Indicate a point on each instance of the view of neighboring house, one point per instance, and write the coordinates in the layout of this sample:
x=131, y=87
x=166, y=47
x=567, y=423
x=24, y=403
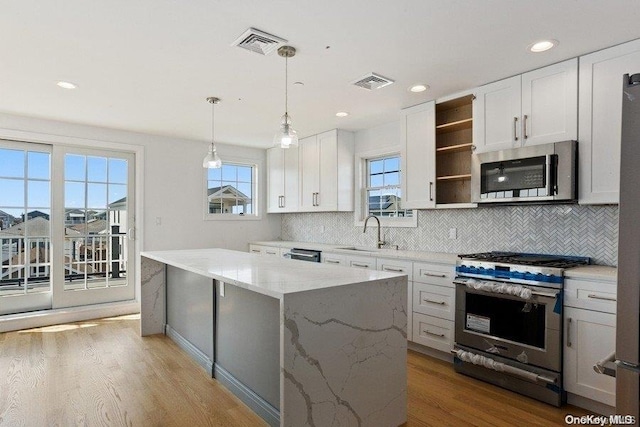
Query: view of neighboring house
x=227, y=199
x=6, y=220
x=387, y=205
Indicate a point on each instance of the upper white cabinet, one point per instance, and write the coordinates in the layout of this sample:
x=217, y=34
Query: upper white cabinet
x=326, y=172
x=418, y=142
x=600, y=120
x=282, y=177
x=537, y=107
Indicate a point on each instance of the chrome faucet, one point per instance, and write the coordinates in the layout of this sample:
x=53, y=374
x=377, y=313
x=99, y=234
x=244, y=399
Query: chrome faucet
x=380, y=242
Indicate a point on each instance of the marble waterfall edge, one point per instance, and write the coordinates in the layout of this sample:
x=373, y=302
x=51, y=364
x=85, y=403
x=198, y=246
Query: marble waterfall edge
x=343, y=357
x=152, y=285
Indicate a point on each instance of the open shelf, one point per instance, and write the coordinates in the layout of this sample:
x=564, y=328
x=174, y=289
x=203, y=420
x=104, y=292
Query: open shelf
x=455, y=148
x=453, y=177
x=454, y=126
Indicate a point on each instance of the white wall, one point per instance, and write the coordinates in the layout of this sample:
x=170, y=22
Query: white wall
x=386, y=136
x=173, y=184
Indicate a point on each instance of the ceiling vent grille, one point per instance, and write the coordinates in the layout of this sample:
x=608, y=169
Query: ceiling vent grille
x=373, y=81
x=258, y=41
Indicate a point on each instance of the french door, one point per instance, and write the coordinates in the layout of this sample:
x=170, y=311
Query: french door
x=72, y=214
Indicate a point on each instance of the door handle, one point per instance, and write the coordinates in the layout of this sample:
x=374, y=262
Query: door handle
x=424, y=273
x=434, y=302
x=355, y=264
x=431, y=191
x=131, y=234
x=515, y=128
x=594, y=296
x=395, y=270
x=428, y=332
x=569, y=332
x=331, y=261
x=524, y=126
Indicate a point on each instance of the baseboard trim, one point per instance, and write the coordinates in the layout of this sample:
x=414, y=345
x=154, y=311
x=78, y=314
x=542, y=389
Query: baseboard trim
x=193, y=351
x=256, y=403
x=447, y=357
x=38, y=319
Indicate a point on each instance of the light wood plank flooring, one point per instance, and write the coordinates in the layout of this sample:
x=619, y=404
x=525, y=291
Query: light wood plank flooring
x=102, y=372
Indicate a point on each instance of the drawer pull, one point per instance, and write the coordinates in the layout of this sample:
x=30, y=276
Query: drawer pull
x=428, y=332
x=434, y=302
x=594, y=296
x=395, y=270
x=426, y=273
x=271, y=253
x=255, y=251
x=332, y=261
x=355, y=264
x=569, y=344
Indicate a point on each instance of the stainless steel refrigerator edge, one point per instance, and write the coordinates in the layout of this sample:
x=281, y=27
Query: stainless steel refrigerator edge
x=628, y=305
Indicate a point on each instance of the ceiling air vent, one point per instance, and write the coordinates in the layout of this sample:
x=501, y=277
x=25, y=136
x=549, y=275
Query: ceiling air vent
x=258, y=41
x=373, y=81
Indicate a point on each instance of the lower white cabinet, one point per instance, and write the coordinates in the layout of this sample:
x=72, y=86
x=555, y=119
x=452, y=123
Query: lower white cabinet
x=433, y=332
x=329, y=258
x=589, y=337
x=360, y=262
x=433, y=300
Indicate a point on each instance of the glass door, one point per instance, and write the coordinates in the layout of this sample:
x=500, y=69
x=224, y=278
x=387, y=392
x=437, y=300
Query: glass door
x=25, y=232
x=95, y=218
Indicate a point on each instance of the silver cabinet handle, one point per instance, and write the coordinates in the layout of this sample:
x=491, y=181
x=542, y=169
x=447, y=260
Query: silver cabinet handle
x=317, y=199
x=434, y=302
x=332, y=261
x=515, y=128
x=425, y=273
x=431, y=191
x=283, y=202
x=428, y=332
x=569, y=332
x=395, y=270
x=271, y=253
x=355, y=264
x=594, y=296
x=255, y=251
x=524, y=126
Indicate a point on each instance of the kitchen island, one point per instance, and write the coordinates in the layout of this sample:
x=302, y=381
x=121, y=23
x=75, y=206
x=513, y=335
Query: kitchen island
x=301, y=343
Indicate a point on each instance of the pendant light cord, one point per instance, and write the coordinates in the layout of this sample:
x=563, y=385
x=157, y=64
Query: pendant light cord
x=286, y=86
x=213, y=144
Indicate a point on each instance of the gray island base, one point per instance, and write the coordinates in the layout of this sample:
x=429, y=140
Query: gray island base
x=302, y=344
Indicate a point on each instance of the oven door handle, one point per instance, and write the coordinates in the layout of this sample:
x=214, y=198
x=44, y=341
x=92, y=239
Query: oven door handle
x=490, y=292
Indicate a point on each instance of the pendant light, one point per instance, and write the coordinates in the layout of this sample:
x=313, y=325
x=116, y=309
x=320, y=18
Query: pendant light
x=286, y=136
x=212, y=160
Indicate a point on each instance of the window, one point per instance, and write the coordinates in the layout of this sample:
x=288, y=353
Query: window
x=383, y=193
x=231, y=191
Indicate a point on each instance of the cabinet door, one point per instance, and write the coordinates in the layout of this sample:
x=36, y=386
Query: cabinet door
x=291, y=178
x=326, y=197
x=309, y=173
x=496, y=115
x=550, y=104
x=275, y=179
x=590, y=337
x=418, y=139
x=600, y=120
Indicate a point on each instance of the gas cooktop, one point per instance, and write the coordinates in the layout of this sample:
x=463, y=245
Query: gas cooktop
x=537, y=260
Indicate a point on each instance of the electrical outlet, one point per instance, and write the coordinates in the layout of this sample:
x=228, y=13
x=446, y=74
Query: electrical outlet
x=453, y=233
x=158, y=220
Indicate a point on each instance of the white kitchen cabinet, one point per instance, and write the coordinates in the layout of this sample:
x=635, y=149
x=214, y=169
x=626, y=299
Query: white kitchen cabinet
x=365, y=262
x=600, y=120
x=433, y=300
x=394, y=265
x=537, y=107
x=326, y=172
x=418, y=161
x=433, y=332
x=590, y=332
x=590, y=336
x=282, y=177
x=329, y=258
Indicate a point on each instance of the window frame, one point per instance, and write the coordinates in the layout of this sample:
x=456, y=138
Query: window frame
x=361, y=206
x=255, y=173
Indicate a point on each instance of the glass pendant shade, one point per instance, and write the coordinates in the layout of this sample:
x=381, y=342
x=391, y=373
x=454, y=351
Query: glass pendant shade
x=286, y=136
x=212, y=160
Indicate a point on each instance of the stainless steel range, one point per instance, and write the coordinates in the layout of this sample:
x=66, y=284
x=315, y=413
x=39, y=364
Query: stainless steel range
x=509, y=321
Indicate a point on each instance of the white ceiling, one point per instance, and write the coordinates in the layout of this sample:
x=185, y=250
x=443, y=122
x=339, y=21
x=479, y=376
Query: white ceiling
x=148, y=65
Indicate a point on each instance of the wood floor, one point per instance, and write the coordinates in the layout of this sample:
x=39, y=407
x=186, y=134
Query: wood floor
x=102, y=373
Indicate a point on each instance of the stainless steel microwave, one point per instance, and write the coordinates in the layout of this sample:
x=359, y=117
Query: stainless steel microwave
x=542, y=173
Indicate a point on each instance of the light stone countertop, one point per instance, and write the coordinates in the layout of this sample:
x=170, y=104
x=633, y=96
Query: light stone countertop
x=271, y=276
x=437, y=257
x=594, y=272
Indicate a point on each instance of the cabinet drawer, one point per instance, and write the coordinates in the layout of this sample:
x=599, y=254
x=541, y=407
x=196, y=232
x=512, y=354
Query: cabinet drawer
x=361, y=262
x=270, y=251
x=256, y=249
x=395, y=266
x=333, y=259
x=596, y=296
x=433, y=332
x=435, y=274
x=433, y=300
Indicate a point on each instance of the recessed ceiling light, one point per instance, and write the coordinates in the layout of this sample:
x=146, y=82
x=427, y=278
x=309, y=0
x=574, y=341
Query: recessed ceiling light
x=542, y=45
x=418, y=88
x=342, y=114
x=67, y=85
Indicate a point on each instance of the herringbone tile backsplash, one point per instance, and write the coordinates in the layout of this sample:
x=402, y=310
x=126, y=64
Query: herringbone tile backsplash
x=551, y=229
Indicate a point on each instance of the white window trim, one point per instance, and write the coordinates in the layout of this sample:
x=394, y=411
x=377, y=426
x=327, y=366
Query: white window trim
x=361, y=180
x=257, y=209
